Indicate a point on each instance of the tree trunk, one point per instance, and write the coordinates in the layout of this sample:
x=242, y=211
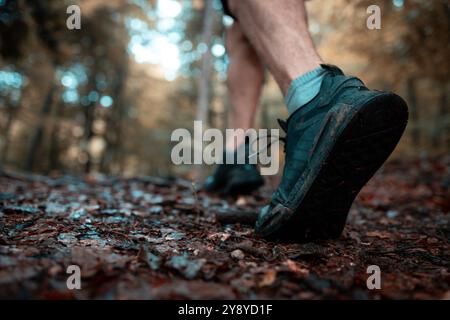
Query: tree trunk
x=203, y=97
x=88, y=133
x=89, y=117
x=204, y=89
x=113, y=134
x=39, y=132
x=12, y=110
x=54, y=150
x=443, y=117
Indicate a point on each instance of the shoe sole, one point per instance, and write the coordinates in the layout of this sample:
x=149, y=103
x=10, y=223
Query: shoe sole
x=355, y=144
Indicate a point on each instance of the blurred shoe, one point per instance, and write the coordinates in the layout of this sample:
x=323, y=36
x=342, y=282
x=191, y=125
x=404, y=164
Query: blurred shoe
x=334, y=145
x=234, y=179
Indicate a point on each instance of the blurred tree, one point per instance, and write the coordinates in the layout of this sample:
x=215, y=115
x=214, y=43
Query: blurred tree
x=100, y=46
x=107, y=97
x=412, y=46
x=203, y=99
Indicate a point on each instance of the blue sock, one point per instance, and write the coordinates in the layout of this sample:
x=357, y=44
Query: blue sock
x=303, y=89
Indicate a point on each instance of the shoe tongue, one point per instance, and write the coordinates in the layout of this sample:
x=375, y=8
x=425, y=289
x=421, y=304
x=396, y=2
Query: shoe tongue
x=333, y=69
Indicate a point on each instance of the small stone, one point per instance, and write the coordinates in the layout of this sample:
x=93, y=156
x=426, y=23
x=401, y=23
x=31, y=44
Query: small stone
x=55, y=209
x=77, y=214
x=189, y=268
x=241, y=201
x=391, y=214
x=237, y=254
x=67, y=238
x=156, y=210
x=175, y=236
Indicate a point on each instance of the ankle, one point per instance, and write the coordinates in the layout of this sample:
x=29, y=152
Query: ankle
x=293, y=72
x=234, y=144
x=304, y=89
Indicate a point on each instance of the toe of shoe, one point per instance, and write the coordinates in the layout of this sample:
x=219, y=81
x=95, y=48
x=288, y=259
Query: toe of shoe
x=271, y=218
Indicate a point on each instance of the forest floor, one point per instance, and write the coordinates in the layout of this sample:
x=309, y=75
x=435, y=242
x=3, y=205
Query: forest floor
x=155, y=238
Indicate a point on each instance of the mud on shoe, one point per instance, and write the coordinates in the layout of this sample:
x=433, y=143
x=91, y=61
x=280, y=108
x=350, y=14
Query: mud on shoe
x=334, y=145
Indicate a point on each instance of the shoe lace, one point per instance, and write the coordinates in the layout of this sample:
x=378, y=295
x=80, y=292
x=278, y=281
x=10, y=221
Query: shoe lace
x=333, y=71
x=272, y=139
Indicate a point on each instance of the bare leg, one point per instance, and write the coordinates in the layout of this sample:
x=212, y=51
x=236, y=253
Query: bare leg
x=245, y=80
x=278, y=30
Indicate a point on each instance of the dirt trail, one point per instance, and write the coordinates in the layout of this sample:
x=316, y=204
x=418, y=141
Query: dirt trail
x=151, y=238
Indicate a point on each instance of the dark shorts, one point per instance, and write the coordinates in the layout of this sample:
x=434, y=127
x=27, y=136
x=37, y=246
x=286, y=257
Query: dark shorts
x=226, y=9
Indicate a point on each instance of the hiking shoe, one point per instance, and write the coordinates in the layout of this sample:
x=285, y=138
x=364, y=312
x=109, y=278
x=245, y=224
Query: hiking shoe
x=334, y=145
x=234, y=179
